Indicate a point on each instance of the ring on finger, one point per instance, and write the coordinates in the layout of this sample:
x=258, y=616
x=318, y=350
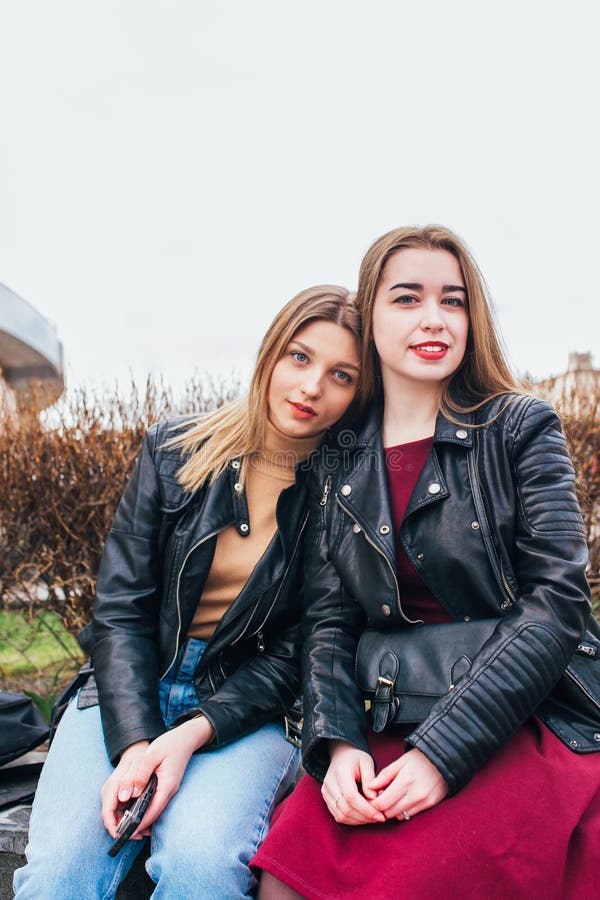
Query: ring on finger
x=406, y=816
x=337, y=799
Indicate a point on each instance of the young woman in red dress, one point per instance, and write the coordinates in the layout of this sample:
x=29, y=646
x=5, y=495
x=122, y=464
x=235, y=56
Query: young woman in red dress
x=455, y=502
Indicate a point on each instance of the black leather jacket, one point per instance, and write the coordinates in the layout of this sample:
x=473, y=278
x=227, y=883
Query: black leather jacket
x=493, y=528
x=156, y=559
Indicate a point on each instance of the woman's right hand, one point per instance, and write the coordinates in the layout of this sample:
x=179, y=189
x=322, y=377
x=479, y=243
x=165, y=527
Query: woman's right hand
x=348, y=768
x=118, y=788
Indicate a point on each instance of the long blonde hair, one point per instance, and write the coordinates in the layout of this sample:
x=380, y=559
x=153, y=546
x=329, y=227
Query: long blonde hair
x=484, y=371
x=238, y=429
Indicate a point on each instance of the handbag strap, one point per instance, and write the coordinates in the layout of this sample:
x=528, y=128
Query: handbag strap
x=384, y=703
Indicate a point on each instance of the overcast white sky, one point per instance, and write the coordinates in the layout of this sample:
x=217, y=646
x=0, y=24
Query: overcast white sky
x=172, y=171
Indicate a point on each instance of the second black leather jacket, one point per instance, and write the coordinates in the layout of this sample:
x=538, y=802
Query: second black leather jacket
x=493, y=528
x=156, y=559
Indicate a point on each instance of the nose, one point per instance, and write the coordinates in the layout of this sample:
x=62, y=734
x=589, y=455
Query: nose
x=432, y=319
x=312, y=385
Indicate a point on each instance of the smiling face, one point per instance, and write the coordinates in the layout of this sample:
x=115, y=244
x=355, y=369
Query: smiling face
x=315, y=380
x=420, y=318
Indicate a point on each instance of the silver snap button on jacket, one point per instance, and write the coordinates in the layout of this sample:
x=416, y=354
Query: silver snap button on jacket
x=434, y=488
x=345, y=490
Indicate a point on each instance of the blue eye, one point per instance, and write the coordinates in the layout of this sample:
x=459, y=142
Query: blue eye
x=405, y=299
x=453, y=301
x=343, y=376
x=299, y=356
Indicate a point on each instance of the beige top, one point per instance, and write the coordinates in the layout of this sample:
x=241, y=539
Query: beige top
x=269, y=471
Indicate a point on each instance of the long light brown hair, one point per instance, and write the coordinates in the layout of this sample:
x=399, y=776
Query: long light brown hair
x=238, y=429
x=484, y=371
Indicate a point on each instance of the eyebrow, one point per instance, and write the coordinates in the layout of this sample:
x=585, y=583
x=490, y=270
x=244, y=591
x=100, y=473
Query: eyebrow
x=413, y=286
x=340, y=364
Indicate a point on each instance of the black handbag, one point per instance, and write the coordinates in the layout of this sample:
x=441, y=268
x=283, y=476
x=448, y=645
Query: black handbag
x=21, y=726
x=404, y=672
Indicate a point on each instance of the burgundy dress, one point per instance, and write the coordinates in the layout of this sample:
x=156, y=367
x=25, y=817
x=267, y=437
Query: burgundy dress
x=527, y=825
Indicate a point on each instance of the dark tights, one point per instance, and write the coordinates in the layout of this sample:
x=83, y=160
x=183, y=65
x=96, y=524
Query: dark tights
x=273, y=889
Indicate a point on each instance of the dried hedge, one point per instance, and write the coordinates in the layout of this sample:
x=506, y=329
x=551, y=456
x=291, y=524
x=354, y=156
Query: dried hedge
x=60, y=481
x=578, y=405
x=61, y=478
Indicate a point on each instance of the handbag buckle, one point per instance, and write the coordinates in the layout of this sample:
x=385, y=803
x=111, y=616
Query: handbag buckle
x=387, y=681
x=293, y=731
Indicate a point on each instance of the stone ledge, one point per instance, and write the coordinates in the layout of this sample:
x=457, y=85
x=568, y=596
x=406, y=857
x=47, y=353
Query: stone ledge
x=14, y=828
x=14, y=824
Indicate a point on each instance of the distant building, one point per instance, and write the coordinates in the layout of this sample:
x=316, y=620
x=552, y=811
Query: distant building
x=580, y=379
x=31, y=355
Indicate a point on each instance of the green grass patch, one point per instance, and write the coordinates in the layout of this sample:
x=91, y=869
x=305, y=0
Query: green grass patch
x=34, y=644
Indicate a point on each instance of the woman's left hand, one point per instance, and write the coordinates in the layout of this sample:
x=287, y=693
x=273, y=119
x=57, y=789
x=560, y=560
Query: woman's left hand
x=411, y=784
x=168, y=756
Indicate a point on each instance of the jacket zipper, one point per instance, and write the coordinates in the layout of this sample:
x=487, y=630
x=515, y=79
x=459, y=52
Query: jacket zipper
x=281, y=583
x=382, y=554
x=244, y=630
x=493, y=557
x=212, y=684
x=324, y=498
x=187, y=556
x=326, y=489
x=582, y=688
x=507, y=587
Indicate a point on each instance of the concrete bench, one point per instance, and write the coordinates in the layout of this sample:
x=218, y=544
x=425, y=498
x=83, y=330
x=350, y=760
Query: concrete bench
x=14, y=826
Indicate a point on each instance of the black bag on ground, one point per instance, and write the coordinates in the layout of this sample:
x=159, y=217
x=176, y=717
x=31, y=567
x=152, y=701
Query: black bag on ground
x=22, y=726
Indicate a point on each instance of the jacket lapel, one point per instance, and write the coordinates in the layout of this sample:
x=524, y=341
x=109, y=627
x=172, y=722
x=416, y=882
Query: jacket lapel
x=365, y=492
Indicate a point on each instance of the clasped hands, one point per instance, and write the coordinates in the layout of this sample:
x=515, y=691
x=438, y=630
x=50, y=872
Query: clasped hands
x=168, y=755
x=409, y=785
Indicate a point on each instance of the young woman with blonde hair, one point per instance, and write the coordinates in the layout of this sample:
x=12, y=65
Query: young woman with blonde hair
x=454, y=515
x=197, y=633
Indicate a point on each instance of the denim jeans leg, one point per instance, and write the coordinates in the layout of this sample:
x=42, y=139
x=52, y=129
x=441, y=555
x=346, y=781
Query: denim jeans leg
x=68, y=844
x=203, y=841
x=205, y=838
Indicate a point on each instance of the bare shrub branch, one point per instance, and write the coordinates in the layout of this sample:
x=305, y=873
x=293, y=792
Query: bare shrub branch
x=61, y=477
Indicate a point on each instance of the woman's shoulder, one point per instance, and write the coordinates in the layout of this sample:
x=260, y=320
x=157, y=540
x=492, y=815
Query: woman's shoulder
x=168, y=456
x=514, y=411
x=165, y=430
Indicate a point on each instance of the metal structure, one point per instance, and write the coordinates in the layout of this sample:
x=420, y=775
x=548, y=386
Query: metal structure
x=31, y=355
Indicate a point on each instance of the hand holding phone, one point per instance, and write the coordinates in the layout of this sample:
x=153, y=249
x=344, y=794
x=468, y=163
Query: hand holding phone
x=133, y=815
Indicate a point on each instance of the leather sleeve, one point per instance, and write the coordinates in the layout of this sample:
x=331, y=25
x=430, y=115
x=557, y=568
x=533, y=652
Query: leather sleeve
x=520, y=664
x=332, y=624
x=126, y=612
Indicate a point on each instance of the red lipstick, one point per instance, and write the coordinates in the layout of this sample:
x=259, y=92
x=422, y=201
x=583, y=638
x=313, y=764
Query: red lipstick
x=430, y=349
x=302, y=411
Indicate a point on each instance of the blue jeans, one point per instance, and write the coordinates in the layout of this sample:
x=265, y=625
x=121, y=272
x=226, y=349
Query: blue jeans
x=202, y=842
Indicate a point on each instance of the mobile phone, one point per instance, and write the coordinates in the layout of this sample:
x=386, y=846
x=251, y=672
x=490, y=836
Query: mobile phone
x=133, y=815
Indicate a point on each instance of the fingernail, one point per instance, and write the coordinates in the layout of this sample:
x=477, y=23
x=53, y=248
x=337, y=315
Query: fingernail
x=136, y=790
x=124, y=795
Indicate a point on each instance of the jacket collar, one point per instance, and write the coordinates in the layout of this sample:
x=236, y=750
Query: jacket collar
x=445, y=430
x=223, y=504
x=364, y=489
